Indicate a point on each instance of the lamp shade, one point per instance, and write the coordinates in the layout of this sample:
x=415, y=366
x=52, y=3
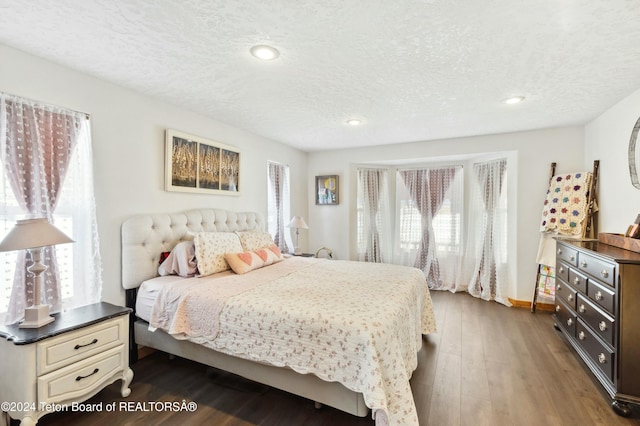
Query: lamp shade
x=297, y=222
x=32, y=233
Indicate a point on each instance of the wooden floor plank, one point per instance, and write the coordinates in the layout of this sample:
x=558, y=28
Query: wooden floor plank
x=486, y=365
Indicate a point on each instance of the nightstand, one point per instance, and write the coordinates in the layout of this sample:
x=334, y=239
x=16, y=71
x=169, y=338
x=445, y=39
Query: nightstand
x=68, y=361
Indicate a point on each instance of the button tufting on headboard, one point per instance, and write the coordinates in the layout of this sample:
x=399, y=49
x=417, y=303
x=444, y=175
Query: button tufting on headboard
x=144, y=237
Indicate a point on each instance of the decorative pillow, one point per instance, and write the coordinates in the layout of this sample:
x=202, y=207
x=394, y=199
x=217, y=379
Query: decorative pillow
x=180, y=261
x=269, y=255
x=210, y=250
x=254, y=240
x=244, y=262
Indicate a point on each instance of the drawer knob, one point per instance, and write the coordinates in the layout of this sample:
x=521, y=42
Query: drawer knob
x=570, y=322
x=598, y=295
x=572, y=258
x=88, y=375
x=582, y=309
x=581, y=335
x=558, y=287
x=604, y=273
x=559, y=251
x=583, y=263
x=576, y=280
x=562, y=269
x=602, y=326
x=557, y=308
x=570, y=298
x=93, y=342
x=602, y=358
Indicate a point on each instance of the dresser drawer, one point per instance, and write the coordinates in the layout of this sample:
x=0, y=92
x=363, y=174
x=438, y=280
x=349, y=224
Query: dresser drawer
x=601, y=355
x=578, y=281
x=600, y=322
x=604, y=296
x=72, y=347
x=566, y=293
x=77, y=380
x=603, y=271
x=566, y=317
x=568, y=254
x=562, y=271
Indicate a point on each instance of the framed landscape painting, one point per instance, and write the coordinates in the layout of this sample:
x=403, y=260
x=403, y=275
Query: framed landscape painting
x=195, y=164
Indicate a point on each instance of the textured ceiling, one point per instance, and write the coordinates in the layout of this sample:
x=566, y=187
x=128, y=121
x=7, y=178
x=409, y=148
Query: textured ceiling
x=412, y=70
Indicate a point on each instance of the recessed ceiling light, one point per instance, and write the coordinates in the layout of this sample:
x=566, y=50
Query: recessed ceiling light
x=264, y=52
x=514, y=100
x=354, y=122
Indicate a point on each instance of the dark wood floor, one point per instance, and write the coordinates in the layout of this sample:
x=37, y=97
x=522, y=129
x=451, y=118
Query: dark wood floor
x=487, y=365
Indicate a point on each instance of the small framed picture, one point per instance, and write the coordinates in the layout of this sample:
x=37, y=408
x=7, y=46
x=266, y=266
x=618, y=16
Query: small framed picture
x=327, y=190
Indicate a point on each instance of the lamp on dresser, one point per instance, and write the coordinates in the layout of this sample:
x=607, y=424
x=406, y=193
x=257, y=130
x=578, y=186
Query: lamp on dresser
x=33, y=235
x=298, y=223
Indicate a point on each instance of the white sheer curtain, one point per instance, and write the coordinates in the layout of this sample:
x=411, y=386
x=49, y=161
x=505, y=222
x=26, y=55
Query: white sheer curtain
x=429, y=223
x=279, y=205
x=374, y=234
x=47, y=172
x=486, y=274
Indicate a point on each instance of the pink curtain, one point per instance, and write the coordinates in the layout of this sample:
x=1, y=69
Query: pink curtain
x=277, y=180
x=428, y=188
x=39, y=142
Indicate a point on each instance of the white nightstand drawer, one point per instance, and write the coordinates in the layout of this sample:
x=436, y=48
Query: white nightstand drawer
x=72, y=347
x=83, y=378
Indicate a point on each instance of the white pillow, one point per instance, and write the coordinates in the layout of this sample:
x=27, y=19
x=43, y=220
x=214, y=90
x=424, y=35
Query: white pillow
x=181, y=261
x=255, y=240
x=210, y=250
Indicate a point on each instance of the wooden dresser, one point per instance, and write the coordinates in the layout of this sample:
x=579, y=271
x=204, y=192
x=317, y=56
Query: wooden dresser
x=597, y=308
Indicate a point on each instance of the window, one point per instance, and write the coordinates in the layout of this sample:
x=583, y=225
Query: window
x=56, y=183
x=278, y=204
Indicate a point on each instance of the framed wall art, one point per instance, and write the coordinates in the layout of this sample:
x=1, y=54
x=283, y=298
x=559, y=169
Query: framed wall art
x=195, y=164
x=327, y=190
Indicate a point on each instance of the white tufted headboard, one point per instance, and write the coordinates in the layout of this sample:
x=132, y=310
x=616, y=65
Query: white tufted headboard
x=144, y=237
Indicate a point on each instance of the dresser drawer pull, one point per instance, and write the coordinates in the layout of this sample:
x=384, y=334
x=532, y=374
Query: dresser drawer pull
x=572, y=258
x=598, y=295
x=557, y=308
x=602, y=326
x=558, y=287
x=582, y=309
x=559, y=251
x=581, y=335
x=604, y=273
x=88, y=375
x=570, y=298
x=561, y=269
x=570, y=322
x=602, y=358
x=93, y=342
x=583, y=263
x=576, y=280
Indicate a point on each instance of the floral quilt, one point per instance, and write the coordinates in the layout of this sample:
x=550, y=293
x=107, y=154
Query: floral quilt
x=360, y=324
x=565, y=207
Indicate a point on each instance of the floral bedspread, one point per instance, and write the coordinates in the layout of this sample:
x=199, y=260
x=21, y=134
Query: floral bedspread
x=356, y=323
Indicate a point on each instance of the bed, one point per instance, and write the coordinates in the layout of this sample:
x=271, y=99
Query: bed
x=330, y=331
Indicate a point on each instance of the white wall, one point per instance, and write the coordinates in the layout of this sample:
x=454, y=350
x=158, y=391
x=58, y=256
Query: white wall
x=530, y=155
x=128, y=150
x=607, y=139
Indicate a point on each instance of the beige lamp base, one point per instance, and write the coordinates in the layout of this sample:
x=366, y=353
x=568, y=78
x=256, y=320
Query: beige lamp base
x=36, y=317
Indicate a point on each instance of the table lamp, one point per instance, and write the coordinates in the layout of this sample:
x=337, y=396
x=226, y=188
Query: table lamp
x=33, y=235
x=298, y=223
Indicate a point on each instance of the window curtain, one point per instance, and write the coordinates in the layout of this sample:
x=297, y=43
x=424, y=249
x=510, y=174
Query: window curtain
x=279, y=205
x=373, y=216
x=46, y=156
x=487, y=241
x=431, y=240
